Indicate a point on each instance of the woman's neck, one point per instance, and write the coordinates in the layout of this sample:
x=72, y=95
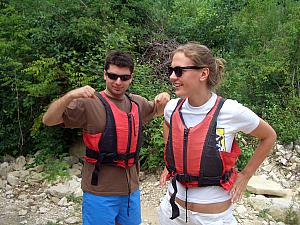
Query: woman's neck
x=199, y=99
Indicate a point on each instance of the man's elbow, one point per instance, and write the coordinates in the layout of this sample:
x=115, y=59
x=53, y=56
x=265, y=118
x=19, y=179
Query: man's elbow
x=46, y=121
x=49, y=122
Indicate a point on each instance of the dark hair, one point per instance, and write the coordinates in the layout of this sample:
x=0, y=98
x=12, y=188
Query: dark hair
x=202, y=56
x=120, y=59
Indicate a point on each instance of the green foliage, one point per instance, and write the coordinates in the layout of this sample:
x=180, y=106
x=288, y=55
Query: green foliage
x=291, y=215
x=55, y=168
x=74, y=199
x=50, y=47
x=263, y=213
x=52, y=223
x=266, y=60
x=152, y=154
x=247, y=145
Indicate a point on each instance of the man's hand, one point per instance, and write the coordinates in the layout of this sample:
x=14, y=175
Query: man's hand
x=160, y=101
x=83, y=92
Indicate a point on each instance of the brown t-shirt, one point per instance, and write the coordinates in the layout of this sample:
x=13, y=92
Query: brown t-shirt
x=89, y=114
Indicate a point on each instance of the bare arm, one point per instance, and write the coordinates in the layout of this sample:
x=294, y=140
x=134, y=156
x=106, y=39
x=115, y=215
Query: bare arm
x=164, y=175
x=53, y=116
x=267, y=136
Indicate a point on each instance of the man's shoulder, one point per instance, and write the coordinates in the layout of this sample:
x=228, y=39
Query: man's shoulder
x=138, y=98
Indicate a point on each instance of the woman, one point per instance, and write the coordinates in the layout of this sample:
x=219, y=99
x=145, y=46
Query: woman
x=201, y=150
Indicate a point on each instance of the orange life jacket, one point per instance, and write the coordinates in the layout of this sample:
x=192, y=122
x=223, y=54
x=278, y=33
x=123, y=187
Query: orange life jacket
x=192, y=156
x=120, y=142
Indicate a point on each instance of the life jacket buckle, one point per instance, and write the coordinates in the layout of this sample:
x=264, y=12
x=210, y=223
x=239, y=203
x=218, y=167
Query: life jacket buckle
x=226, y=176
x=110, y=155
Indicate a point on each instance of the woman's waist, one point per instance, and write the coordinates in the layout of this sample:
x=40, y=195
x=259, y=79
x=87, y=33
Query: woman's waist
x=209, y=200
x=201, y=195
x=210, y=208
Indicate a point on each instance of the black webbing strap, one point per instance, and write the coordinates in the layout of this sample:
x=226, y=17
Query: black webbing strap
x=175, y=209
x=95, y=174
x=226, y=176
x=94, y=155
x=140, y=133
x=102, y=157
x=180, y=178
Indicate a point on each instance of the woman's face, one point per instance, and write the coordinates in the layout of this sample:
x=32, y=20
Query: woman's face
x=189, y=83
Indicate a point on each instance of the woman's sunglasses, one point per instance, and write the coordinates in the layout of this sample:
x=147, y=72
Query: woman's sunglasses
x=114, y=76
x=178, y=70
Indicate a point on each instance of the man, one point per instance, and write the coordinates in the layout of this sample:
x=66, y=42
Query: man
x=111, y=122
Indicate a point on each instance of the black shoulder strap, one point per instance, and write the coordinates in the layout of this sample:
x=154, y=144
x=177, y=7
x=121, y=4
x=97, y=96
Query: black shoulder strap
x=108, y=142
x=140, y=134
x=169, y=148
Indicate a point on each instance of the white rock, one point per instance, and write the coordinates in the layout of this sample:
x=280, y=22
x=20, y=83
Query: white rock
x=20, y=163
x=12, y=179
x=23, y=212
x=63, y=202
x=72, y=220
x=259, y=185
x=43, y=210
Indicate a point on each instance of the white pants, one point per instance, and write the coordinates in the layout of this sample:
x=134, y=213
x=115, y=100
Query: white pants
x=193, y=218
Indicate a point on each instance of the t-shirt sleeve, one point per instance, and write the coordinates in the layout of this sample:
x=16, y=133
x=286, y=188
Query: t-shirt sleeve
x=74, y=115
x=169, y=109
x=244, y=119
x=148, y=108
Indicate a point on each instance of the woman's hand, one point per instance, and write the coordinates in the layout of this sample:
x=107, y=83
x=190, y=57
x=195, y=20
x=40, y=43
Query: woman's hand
x=239, y=187
x=163, y=177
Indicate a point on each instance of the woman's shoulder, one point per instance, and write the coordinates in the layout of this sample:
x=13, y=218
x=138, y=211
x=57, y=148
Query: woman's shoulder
x=172, y=104
x=231, y=105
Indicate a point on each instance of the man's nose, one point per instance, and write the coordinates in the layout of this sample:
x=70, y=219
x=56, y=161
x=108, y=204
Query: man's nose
x=118, y=81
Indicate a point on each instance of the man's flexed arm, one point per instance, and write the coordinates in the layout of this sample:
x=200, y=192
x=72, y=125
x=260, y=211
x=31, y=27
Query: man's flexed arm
x=53, y=116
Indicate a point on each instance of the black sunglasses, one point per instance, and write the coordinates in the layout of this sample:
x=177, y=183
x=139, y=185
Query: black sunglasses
x=178, y=70
x=114, y=76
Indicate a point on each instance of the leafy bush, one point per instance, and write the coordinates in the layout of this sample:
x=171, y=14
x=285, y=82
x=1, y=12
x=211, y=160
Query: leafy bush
x=50, y=47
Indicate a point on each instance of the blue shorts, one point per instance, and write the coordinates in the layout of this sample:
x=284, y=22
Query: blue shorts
x=107, y=210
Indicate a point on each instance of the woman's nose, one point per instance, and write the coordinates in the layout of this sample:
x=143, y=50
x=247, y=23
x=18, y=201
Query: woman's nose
x=173, y=76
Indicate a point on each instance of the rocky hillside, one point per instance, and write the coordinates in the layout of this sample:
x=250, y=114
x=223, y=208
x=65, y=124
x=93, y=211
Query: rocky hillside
x=26, y=197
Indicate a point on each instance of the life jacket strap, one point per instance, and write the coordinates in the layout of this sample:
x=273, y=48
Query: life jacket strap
x=186, y=178
x=103, y=156
x=226, y=176
x=94, y=155
x=95, y=174
x=175, y=209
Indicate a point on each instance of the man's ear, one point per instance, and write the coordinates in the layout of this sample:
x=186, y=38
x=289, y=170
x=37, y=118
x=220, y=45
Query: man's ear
x=204, y=74
x=104, y=74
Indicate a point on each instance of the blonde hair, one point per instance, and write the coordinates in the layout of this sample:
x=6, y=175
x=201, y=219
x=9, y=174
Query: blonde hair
x=202, y=56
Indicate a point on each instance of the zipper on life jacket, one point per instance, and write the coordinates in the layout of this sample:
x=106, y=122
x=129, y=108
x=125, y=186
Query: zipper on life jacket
x=185, y=142
x=129, y=135
x=129, y=115
x=133, y=124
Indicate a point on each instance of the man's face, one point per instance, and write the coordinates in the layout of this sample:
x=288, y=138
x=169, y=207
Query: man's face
x=117, y=80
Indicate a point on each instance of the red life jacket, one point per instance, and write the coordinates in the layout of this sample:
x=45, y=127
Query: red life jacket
x=120, y=142
x=192, y=156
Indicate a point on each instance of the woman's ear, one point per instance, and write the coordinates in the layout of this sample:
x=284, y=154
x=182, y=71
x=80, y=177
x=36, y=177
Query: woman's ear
x=204, y=74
